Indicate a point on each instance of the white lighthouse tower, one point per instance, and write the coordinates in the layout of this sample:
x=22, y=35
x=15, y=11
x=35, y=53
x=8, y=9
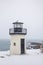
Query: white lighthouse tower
x=17, y=38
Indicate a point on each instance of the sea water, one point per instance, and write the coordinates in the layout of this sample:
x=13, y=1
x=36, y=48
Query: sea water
x=4, y=45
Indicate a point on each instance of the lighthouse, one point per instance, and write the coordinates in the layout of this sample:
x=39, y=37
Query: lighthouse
x=17, y=38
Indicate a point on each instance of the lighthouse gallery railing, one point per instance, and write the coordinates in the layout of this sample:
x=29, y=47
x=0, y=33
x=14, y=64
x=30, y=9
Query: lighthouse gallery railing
x=11, y=31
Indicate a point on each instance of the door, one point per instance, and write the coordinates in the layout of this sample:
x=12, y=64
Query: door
x=22, y=46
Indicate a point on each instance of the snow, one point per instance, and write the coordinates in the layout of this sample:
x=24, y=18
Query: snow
x=32, y=57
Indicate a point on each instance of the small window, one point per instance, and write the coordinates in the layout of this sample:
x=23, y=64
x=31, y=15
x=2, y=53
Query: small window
x=14, y=44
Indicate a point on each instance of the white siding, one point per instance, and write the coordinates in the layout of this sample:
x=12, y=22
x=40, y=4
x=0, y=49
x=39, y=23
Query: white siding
x=16, y=49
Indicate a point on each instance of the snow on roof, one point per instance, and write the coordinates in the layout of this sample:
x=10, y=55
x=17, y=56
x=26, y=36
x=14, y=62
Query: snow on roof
x=17, y=22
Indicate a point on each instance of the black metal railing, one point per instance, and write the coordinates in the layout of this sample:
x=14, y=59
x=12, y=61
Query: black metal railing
x=11, y=31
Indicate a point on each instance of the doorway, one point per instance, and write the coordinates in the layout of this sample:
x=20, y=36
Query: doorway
x=22, y=46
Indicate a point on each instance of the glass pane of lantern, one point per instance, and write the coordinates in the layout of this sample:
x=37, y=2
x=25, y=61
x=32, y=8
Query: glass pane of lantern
x=18, y=25
x=15, y=25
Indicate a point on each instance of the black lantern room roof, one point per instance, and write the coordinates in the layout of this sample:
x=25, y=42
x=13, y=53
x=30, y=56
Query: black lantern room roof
x=17, y=22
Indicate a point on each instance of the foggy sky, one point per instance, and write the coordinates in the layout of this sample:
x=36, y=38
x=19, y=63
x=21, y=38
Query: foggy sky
x=30, y=12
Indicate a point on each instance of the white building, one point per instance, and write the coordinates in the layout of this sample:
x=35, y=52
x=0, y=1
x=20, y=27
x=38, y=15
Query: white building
x=17, y=38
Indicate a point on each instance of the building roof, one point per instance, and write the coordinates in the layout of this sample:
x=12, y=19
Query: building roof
x=17, y=22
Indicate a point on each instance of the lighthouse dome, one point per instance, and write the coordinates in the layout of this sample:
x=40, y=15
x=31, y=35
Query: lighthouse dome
x=17, y=24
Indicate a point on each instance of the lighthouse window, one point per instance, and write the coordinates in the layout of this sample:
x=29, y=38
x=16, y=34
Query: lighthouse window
x=14, y=44
x=18, y=25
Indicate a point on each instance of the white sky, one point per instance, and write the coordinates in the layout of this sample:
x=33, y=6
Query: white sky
x=28, y=11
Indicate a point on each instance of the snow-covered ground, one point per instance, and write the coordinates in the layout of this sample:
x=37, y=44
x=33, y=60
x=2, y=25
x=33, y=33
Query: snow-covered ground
x=32, y=57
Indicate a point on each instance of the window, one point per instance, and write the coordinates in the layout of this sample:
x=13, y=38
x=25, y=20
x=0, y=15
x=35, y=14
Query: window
x=18, y=26
x=14, y=44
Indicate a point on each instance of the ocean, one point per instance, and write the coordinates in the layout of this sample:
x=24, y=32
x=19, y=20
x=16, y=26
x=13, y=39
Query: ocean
x=4, y=45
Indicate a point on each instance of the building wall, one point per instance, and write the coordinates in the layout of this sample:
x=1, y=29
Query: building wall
x=17, y=39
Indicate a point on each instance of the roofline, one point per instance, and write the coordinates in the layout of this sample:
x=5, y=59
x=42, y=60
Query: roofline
x=17, y=23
